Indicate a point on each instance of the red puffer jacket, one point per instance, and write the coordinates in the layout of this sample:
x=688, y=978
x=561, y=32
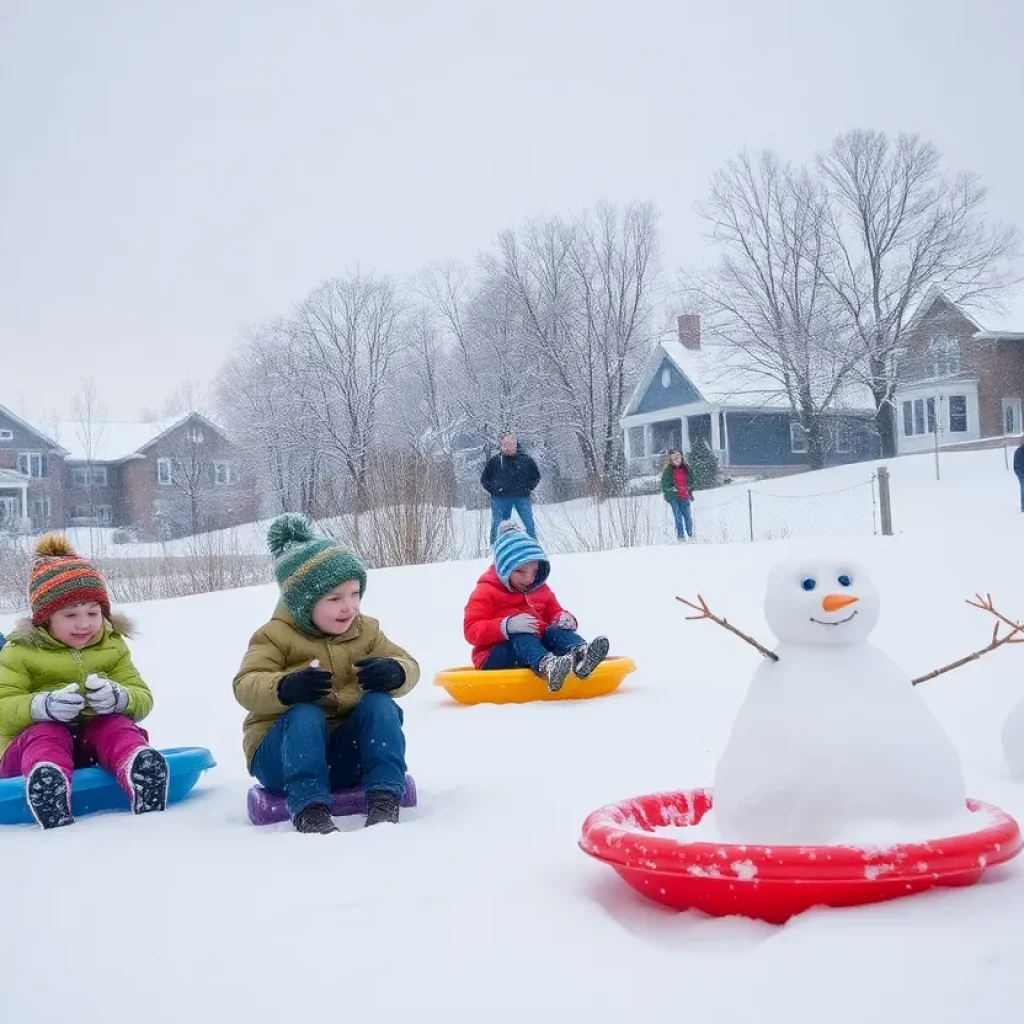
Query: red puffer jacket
x=491, y=603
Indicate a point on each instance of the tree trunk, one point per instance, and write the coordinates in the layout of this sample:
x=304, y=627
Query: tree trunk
x=885, y=424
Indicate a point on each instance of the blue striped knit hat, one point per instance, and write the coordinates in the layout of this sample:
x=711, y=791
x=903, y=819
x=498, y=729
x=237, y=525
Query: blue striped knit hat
x=309, y=566
x=513, y=548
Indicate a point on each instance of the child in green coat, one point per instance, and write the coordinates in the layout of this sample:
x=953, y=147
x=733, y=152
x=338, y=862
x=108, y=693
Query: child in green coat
x=70, y=696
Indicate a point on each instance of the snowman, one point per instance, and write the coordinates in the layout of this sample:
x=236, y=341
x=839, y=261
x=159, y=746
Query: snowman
x=1013, y=740
x=832, y=732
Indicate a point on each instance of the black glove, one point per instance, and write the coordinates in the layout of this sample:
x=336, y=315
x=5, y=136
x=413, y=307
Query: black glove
x=306, y=686
x=380, y=675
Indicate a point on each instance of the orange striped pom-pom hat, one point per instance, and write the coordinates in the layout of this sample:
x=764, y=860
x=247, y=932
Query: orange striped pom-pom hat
x=61, y=577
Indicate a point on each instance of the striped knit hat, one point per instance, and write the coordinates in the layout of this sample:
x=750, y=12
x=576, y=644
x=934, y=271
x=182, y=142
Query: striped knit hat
x=309, y=566
x=513, y=548
x=61, y=578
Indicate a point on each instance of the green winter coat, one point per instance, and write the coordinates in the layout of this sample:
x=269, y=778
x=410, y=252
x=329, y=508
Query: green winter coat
x=281, y=647
x=33, y=662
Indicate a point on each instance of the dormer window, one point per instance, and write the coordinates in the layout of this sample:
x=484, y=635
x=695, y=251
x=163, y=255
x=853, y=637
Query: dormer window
x=944, y=355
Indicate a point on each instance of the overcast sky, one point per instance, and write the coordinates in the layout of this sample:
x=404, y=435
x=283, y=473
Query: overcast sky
x=170, y=172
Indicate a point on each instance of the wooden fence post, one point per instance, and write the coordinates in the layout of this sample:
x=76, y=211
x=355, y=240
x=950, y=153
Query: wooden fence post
x=885, y=501
x=750, y=513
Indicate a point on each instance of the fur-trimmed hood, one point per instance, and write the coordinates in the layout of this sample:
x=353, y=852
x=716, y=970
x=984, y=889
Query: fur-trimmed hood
x=24, y=632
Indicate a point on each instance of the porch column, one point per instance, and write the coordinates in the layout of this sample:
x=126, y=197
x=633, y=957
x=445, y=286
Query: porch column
x=684, y=435
x=648, y=438
x=716, y=440
x=725, y=439
x=24, y=501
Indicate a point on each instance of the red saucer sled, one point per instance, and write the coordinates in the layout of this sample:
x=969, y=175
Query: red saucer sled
x=773, y=883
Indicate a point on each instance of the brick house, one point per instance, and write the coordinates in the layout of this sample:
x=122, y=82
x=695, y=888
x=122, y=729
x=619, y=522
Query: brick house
x=158, y=480
x=958, y=379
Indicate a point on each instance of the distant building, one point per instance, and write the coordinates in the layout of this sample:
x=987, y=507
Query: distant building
x=689, y=391
x=957, y=379
x=158, y=480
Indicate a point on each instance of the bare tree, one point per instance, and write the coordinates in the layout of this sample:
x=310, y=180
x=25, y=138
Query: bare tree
x=897, y=226
x=191, y=477
x=90, y=429
x=345, y=338
x=273, y=427
x=768, y=297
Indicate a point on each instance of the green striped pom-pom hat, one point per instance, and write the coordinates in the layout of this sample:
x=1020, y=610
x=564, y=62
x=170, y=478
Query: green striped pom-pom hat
x=308, y=566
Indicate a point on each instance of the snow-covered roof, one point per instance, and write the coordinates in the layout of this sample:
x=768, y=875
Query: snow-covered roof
x=724, y=377
x=12, y=478
x=107, y=440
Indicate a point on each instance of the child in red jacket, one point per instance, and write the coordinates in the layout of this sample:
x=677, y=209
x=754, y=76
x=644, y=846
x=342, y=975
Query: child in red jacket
x=514, y=620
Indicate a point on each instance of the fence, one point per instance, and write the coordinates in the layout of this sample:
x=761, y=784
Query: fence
x=419, y=531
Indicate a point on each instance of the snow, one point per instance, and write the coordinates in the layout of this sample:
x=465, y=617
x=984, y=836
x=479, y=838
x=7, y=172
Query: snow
x=479, y=906
x=862, y=833
x=832, y=732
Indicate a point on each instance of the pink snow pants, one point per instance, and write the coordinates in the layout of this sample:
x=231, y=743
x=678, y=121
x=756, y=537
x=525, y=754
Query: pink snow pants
x=107, y=740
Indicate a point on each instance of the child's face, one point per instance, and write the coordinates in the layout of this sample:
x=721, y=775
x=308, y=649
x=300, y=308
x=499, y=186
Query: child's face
x=677, y=459
x=522, y=578
x=336, y=611
x=77, y=624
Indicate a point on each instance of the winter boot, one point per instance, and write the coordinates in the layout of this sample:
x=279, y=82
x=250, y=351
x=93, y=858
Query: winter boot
x=554, y=668
x=383, y=808
x=316, y=818
x=588, y=656
x=148, y=780
x=48, y=796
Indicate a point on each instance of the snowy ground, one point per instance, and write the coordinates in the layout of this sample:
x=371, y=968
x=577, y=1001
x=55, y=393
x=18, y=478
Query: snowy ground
x=479, y=905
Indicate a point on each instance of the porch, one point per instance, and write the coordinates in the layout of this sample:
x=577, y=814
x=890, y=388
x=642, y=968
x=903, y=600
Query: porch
x=13, y=501
x=649, y=436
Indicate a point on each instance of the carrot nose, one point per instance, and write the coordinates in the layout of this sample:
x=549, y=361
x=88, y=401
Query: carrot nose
x=833, y=602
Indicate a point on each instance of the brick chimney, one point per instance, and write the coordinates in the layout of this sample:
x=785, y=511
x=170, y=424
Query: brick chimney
x=689, y=330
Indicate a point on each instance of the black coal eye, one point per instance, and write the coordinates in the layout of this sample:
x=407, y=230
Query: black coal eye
x=844, y=580
x=808, y=583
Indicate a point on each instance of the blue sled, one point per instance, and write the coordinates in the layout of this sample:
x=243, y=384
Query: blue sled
x=93, y=789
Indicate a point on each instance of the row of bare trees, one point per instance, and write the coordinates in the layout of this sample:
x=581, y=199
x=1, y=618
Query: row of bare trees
x=822, y=267
x=544, y=335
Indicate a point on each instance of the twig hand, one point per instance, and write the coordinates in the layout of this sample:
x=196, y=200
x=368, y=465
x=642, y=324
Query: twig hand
x=704, y=612
x=1014, y=636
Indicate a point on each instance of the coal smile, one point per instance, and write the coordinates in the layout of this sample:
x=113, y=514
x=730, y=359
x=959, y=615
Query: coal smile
x=840, y=622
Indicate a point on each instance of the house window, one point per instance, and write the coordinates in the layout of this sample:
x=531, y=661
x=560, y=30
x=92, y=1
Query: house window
x=31, y=464
x=1011, y=416
x=797, y=439
x=224, y=473
x=89, y=476
x=666, y=377
x=636, y=442
x=844, y=438
x=195, y=435
x=944, y=355
x=164, y=472
x=41, y=512
x=908, y=419
x=918, y=415
x=6, y=435
x=958, y=414
x=97, y=515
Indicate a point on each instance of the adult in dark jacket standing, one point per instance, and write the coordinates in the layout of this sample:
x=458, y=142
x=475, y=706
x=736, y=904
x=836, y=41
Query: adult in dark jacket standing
x=1018, y=468
x=510, y=478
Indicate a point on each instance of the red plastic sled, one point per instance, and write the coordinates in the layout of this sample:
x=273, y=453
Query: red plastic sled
x=772, y=883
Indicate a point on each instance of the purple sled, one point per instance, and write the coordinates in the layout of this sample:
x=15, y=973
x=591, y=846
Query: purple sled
x=266, y=808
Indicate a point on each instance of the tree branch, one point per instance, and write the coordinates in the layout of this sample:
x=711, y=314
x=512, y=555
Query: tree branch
x=706, y=613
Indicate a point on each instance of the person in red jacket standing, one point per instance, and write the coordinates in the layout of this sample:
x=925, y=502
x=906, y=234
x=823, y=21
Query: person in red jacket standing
x=514, y=620
x=675, y=486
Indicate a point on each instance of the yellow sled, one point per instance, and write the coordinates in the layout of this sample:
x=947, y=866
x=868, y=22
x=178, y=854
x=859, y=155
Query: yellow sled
x=520, y=685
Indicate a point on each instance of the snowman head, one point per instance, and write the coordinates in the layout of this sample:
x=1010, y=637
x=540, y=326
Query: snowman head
x=825, y=602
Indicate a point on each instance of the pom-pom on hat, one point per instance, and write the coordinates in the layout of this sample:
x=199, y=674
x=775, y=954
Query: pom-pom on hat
x=513, y=548
x=60, y=577
x=309, y=566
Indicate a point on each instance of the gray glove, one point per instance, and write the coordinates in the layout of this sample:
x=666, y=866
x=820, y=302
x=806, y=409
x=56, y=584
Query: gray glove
x=522, y=623
x=63, y=705
x=105, y=697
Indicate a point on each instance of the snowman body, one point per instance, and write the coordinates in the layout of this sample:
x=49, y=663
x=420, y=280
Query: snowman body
x=833, y=732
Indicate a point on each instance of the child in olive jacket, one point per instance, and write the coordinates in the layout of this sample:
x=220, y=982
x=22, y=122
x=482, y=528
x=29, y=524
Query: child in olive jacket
x=70, y=696
x=319, y=682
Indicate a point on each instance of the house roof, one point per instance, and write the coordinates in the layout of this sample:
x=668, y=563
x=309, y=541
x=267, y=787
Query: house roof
x=41, y=434
x=117, y=440
x=1006, y=325
x=12, y=478
x=722, y=377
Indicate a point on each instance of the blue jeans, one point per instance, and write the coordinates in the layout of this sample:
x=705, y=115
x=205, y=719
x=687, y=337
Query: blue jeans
x=302, y=759
x=683, y=513
x=524, y=650
x=502, y=509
